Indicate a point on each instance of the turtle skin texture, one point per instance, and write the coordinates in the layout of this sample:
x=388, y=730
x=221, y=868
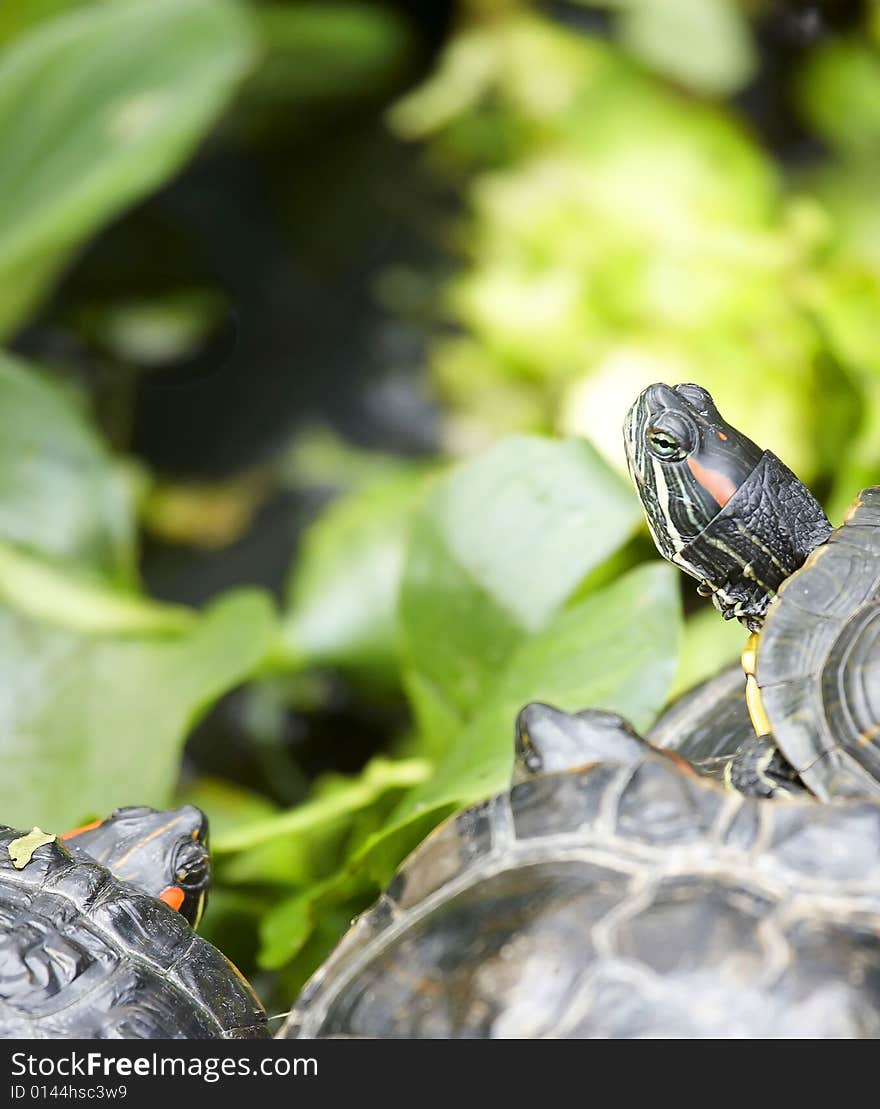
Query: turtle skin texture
x=84, y=955
x=818, y=662
x=618, y=901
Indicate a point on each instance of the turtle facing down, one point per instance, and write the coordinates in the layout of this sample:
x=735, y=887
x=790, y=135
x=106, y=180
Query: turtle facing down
x=86, y=954
x=740, y=522
x=623, y=897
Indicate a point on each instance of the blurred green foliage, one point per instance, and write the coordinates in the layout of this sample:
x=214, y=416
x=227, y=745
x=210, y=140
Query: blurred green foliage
x=96, y=109
x=618, y=224
x=625, y=234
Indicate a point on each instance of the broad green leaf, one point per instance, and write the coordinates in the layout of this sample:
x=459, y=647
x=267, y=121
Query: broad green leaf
x=497, y=547
x=97, y=108
x=89, y=722
x=60, y=493
x=331, y=921
x=18, y=18
x=615, y=650
x=709, y=643
x=345, y=583
x=286, y=928
x=438, y=719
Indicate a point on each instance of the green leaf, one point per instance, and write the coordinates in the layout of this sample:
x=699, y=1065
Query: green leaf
x=325, y=50
x=709, y=644
x=839, y=92
x=97, y=108
x=229, y=808
x=44, y=593
x=17, y=18
x=380, y=776
x=287, y=927
x=21, y=850
x=704, y=44
x=89, y=722
x=615, y=650
x=60, y=493
x=498, y=546
x=344, y=588
x=227, y=805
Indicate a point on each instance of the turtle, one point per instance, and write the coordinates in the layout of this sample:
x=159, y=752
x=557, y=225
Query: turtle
x=614, y=892
x=710, y=725
x=96, y=936
x=738, y=520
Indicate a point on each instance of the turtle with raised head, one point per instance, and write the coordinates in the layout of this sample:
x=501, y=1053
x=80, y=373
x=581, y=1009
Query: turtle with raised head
x=97, y=940
x=614, y=892
x=738, y=520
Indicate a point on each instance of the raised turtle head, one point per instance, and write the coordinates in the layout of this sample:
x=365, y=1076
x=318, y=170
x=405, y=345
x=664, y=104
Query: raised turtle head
x=729, y=514
x=686, y=462
x=162, y=852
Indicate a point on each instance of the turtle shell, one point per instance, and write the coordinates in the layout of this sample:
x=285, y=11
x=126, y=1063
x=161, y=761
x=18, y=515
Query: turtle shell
x=618, y=901
x=818, y=662
x=85, y=955
x=709, y=722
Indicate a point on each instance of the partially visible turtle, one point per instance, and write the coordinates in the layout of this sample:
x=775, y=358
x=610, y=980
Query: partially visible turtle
x=163, y=853
x=623, y=897
x=711, y=727
x=738, y=520
x=103, y=949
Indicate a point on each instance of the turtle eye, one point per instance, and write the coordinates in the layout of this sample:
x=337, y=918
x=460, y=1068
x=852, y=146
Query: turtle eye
x=671, y=437
x=664, y=445
x=192, y=868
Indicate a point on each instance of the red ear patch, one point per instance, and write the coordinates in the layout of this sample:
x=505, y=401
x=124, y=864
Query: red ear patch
x=82, y=828
x=715, y=483
x=173, y=896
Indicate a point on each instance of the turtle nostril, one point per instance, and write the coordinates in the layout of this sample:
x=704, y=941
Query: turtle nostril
x=698, y=397
x=661, y=396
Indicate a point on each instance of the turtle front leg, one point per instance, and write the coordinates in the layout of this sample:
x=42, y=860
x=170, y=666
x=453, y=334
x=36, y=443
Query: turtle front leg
x=760, y=720
x=759, y=769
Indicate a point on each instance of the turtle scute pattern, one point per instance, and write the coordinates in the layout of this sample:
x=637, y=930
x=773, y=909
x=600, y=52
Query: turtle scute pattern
x=819, y=659
x=83, y=955
x=619, y=902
